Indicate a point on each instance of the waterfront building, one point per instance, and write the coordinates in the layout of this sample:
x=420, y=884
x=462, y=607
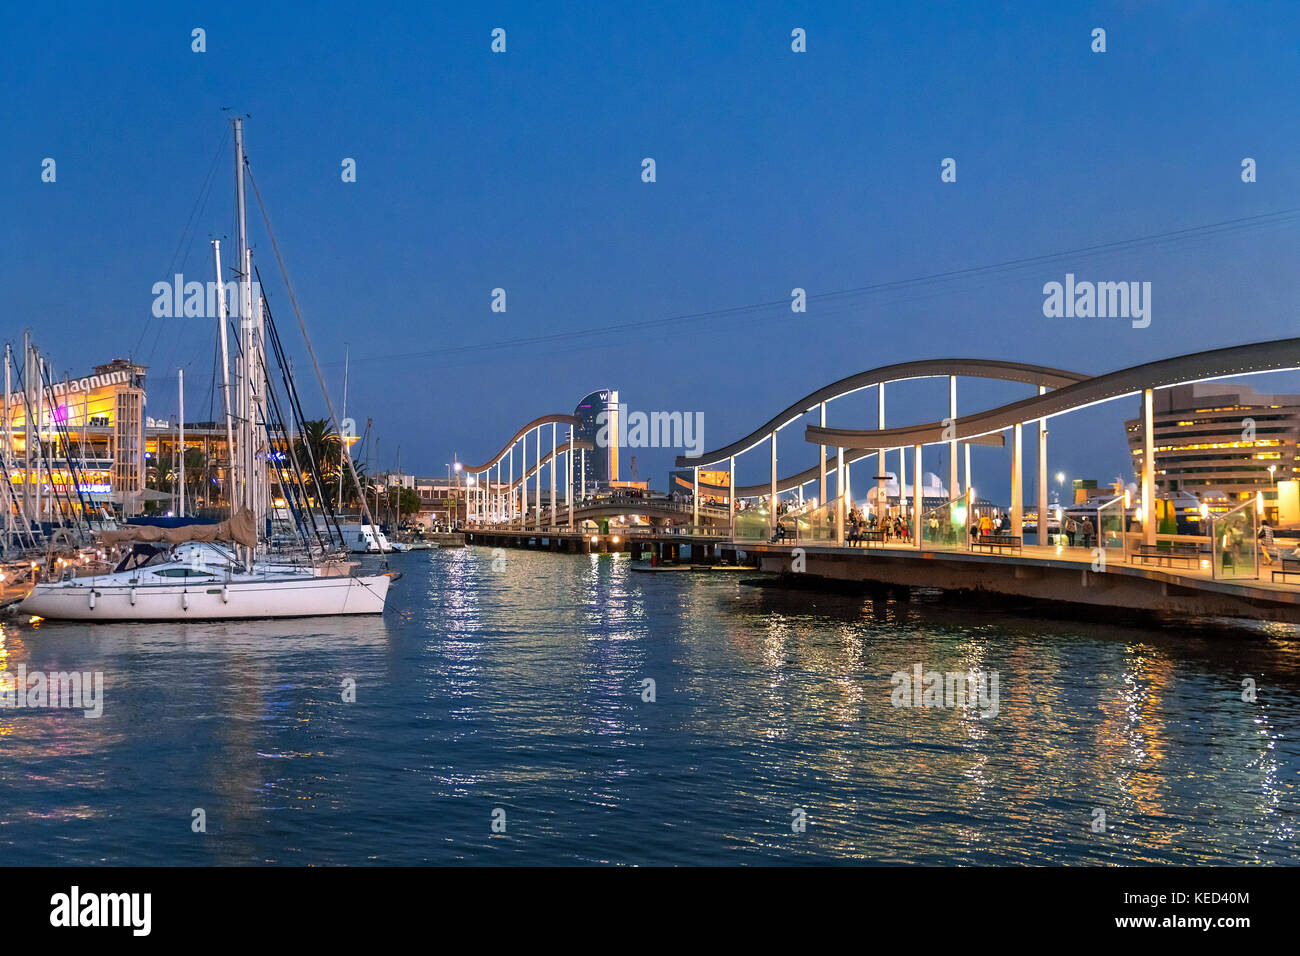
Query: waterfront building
x=601, y=463
x=97, y=421
x=1222, y=442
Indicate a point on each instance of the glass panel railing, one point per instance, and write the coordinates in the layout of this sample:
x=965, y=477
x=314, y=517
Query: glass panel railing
x=753, y=524
x=947, y=526
x=1110, y=528
x=813, y=525
x=1235, y=538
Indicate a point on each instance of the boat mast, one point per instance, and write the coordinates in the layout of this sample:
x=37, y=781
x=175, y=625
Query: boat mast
x=247, y=495
x=343, y=441
x=8, y=456
x=231, y=483
x=180, y=425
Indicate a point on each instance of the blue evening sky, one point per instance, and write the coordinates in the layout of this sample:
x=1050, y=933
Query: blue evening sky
x=775, y=170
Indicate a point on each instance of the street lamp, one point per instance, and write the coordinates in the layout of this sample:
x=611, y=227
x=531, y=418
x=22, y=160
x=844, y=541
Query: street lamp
x=455, y=499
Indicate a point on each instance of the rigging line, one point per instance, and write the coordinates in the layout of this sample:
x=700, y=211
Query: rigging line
x=295, y=407
x=1278, y=217
x=189, y=251
x=320, y=378
x=205, y=188
x=61, y=432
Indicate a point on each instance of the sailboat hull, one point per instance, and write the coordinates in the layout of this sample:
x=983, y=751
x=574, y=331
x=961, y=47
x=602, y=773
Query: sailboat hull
x=83, y=600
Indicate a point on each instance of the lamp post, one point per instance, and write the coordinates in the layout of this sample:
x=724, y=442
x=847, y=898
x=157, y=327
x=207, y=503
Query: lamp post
x=455, y=498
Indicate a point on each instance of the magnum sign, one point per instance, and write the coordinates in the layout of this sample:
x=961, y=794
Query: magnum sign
x=87, y=384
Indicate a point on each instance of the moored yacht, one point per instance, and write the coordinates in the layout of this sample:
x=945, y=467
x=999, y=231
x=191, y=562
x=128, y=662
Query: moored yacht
x=228, y=570
x=203, y=582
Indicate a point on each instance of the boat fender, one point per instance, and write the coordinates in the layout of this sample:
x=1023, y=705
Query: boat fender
x=92, y=599
x=185, y=600
x=225, y=594
x=133, y=597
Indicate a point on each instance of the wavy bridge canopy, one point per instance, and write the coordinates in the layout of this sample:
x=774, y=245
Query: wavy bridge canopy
x=923, y=368
x=577, y=444
x=1276, y=356
x=535, y=423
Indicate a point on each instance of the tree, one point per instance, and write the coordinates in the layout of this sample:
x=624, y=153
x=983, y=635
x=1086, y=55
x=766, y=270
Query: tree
x=317, y=444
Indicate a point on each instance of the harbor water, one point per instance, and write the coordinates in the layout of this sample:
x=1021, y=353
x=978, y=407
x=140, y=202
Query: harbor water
x=520, y=707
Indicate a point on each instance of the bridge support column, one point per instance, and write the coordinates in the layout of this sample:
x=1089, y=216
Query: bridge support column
x=1043, y=537
x=771, y=507
x=523, y=482
x=1017, y=482
x=695, y=499
x=568, y=479
x=902, y=479
x=953, y=490
x=537, y=467
x=731, y=496
x=554, y=462
x=918, y=503
x=582, y=468
x=882, y=504
x=821, y=462
x=968, y=468
x=839, y=493
x=1148, y=467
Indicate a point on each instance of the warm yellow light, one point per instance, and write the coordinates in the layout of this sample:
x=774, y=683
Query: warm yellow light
x=594, y=539
x=615, y=539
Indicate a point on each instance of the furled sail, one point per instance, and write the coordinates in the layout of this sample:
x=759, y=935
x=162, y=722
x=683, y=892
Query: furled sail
x=239, y=528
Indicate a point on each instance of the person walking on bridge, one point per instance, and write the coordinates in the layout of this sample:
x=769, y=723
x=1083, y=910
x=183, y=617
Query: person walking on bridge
x=1265, y=542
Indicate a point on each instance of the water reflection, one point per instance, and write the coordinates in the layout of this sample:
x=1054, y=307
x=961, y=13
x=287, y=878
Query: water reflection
x=518, y=685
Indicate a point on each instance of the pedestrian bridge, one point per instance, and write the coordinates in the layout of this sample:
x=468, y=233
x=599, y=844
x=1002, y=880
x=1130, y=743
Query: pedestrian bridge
x=1131, y=567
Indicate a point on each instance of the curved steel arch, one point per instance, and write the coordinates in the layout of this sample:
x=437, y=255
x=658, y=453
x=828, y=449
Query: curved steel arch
x=1276, y=356
x=578, y=445
x=536, y=422
x=922, y=368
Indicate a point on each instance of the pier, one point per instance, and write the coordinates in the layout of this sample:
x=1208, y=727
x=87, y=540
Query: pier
x=1132, y=567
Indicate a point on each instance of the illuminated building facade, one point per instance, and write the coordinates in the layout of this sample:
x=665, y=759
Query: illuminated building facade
x=1219, y=440
x=96, y=421
x=601, y=466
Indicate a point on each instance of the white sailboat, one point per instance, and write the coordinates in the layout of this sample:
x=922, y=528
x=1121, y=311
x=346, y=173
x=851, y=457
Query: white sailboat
x=218, y=572
x=204, y=582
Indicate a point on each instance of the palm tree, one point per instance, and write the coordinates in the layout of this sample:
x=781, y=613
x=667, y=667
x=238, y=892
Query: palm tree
x=318, y=445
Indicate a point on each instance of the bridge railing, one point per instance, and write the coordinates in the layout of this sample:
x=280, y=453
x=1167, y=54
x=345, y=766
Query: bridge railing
x=947, y=526
x=813, y=526
x=1235, y=542
x=753, y=524
x=627, y=531
x=1110, y=526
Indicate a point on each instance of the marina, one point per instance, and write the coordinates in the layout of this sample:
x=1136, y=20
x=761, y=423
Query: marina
x=685, y=438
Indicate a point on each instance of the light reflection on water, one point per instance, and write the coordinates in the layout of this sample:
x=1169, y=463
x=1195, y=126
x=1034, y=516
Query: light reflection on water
x=521, y=689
